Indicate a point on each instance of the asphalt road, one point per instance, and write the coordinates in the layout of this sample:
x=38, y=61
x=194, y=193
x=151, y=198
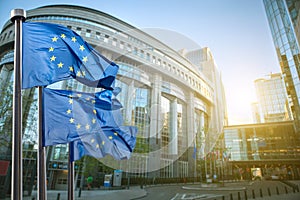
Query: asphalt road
x=237, y=190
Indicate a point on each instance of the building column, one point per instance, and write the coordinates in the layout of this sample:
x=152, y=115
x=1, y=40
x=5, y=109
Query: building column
x=173, y=144
x=191, y=133
x=128, y=105
x=4, y=74
x=201, y=152
x=155, y=128
x=155, y=122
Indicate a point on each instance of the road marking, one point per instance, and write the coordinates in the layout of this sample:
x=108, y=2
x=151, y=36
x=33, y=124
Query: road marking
x=192, y=196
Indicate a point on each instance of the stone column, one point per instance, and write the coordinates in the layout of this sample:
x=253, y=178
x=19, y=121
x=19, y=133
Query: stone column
x=128, y=106
x=173, y=144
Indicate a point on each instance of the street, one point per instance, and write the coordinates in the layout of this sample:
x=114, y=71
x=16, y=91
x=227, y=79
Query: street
x=235, y=190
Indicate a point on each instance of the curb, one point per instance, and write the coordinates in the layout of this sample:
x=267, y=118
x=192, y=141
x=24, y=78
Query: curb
x=214, y=188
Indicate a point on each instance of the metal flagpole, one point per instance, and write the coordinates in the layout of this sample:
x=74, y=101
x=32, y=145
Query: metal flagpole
x=70, y=174
x=17, y=16
x=42, y=188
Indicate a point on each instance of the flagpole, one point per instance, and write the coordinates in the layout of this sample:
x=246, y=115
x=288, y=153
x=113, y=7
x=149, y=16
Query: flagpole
x=70, y=173
x=42, y=188
x=17, y=16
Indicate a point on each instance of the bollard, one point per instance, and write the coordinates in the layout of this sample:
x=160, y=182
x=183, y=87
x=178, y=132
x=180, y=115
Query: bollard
x=223, y=197
x=79, y=192
x=286, y=190
x=277, y=190
x=260, y=191
x=58, y=196
x=269, y=191
x=253, y=194
x=245, y=194
x=231, y=197
x=239, y=196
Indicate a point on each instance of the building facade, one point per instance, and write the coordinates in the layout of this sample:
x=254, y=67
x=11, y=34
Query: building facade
x=171, y=100
x=272, y=105
x=271, y=147
x=284, y=22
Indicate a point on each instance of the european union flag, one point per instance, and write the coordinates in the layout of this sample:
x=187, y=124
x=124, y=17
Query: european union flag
x=118, y=142
x=52, y=53
x=67, y=115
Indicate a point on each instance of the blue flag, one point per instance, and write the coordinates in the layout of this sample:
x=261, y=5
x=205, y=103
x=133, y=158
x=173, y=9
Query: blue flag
x=195, y=151
x=52, y=53
x=117, y=142
x=67, y=115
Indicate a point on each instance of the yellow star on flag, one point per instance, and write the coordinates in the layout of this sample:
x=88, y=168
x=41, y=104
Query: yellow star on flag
x=60, y=65
x=78, y=126
x=54, y=39
x=74, y=39
x=103, y=142
x=79, y=95
x=78, y=74
x=85, y=59
x=97, y=146
x=51, y=49
x=70, y=101
x=71, y=120
x=63, y=36
x=87, y=127
x=71, y=68
x=110, y=137
x=81, y=47
x=92, y=140
x=93, y=120
x=52, y=58
x=115, y=133
x=94, y=111
x=69, y=111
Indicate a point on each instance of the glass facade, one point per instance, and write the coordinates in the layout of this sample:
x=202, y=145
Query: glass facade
x=266, y=145
x=272, y=99
x=283, y=17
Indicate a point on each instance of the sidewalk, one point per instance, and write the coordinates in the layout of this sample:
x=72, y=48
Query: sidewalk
x=123, y=194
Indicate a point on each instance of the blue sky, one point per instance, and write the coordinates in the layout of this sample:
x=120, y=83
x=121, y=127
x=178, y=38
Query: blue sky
x=236, y=31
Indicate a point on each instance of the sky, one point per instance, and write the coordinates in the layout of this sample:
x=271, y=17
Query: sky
x=236, y=31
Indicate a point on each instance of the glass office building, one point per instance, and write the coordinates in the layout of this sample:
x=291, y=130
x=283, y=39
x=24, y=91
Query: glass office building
x=272, y=147
x=273, y=105
x=171, y=101
x=284, y=22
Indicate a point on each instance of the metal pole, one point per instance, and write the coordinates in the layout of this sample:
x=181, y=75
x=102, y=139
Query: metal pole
x=17, y=16
x=70, y=174
x=42, y=175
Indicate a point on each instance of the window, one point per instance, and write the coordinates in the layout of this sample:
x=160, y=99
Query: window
x=88, y=33
x=121, y=45
x=98, y=35
x=106, y=37
x=114, y=42
x=78, y=30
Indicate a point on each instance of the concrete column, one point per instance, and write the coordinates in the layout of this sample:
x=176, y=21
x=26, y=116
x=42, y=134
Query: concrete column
x=155, y=122
x=190, y=133
x=128, y=105
x=155, y=128
x=202, y=136
x=4, y=74
x=173, y=144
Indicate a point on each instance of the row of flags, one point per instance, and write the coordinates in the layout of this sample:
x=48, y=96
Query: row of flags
x=91, y=122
